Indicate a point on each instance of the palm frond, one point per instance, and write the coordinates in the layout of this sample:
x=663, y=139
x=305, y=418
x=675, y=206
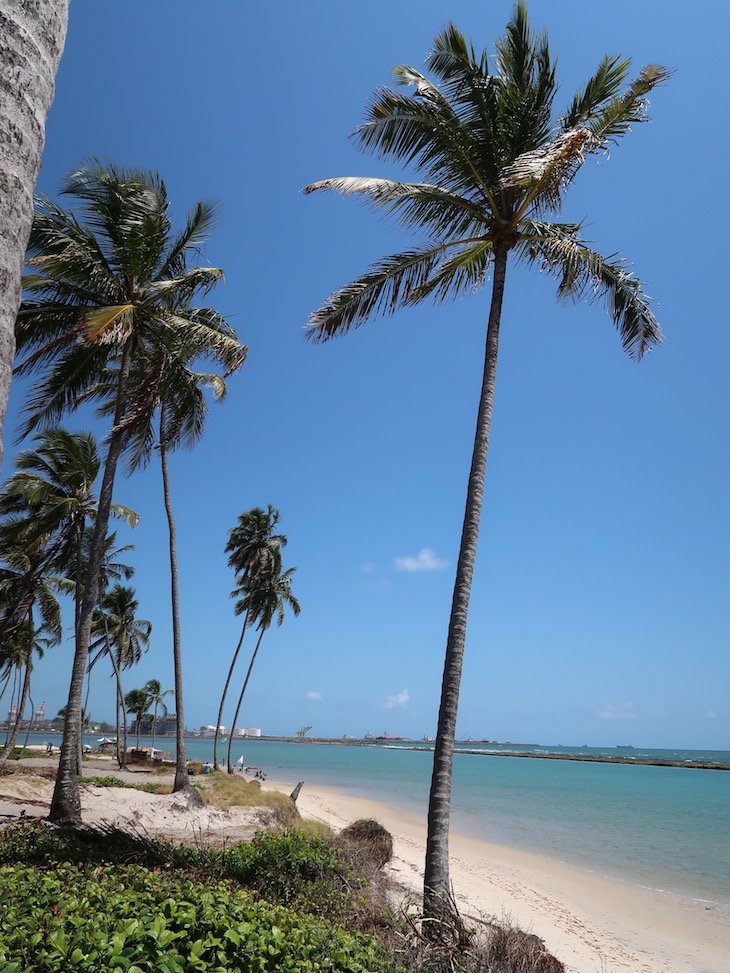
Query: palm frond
x=545, y=172
x=624, y=110
x=601, y=87
x=384, y=288
x=461, y=274
x=584, y=273
x=197, y=230
x=423, y=205
x=426, y=132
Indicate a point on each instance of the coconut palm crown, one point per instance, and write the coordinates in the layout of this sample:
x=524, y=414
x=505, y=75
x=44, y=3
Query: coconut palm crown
x=496, y=160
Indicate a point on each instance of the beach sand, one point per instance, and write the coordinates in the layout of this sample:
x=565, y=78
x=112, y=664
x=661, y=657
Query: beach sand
x=593, y=924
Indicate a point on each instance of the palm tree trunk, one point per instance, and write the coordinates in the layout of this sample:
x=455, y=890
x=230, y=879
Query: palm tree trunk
x=13, y=705
x=225, y=691
x=66, y=803
x=10, y=744
x=122, y=761
x=24, y=694
x=154, y=726
x=31, y=41
x=240, y=700
x=29, y=724
x=436, y=889
x=182, y=779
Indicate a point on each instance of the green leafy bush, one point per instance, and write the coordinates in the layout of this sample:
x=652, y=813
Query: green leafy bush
x=293, y=868
x=130, y=920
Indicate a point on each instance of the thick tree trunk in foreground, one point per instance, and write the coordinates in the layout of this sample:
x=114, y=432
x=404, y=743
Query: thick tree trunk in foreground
x=182, y=779
x=229, y=765
x=66, y=803
x=436, y=889
x=32, y=34
x=232, y=666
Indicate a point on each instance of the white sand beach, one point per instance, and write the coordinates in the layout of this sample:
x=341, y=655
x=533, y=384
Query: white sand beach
x=593, y=924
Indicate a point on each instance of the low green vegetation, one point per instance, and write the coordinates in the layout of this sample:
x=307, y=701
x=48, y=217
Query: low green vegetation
x=300, y=901
x=128, y=919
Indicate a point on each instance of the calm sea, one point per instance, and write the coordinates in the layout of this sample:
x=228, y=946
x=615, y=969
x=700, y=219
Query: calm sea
x=665, y=828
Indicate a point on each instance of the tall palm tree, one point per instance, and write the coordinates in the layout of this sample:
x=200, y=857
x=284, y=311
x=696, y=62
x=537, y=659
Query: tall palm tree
x=138, y=702
x=107, y=287
x=157, y=697
x=268, y=596
x=252, y=547
x=168, y=392
x=496, y=163
x=31, y=43
x=120, y=636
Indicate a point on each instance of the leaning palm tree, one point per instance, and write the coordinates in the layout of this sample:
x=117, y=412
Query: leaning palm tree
x=496, y=163
x=157, y=697
x=21, y=571
x=107, y=286
x=252, y=547
x=51, y=502
x=268, y=596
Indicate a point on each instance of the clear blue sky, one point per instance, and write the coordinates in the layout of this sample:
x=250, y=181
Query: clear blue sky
x=600, y=605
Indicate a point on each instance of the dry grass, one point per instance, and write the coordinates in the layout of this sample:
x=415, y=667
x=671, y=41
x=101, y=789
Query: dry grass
x=225, y=791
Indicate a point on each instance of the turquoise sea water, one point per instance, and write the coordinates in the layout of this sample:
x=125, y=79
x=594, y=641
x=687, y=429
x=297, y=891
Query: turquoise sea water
x=666, y=828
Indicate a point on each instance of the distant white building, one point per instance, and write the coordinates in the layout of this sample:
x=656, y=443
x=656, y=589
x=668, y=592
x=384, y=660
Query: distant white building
x=248, y=731
x=209, y=731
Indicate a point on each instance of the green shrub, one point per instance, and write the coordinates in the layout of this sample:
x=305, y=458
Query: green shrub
x=129, y=920
x=293, y=868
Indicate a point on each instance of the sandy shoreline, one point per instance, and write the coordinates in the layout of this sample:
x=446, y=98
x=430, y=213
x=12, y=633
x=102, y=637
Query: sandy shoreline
x=593, y=924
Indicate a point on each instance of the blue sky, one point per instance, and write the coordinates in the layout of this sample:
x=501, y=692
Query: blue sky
x=599, y=611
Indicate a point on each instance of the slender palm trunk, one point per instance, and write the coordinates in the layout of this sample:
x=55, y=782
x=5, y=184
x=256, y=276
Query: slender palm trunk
x=66, y=803
x=225, y=691
x=436, y=878
x=154, y=726
x=229, y=765
x=31, y=40
x=29, y=724
x=23, y=694
x=121, y=758
x=182, y=780
x=15, y=689
x=10, y=744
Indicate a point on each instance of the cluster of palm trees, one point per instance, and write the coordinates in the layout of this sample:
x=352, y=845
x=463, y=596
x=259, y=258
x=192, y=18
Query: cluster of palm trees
x=263, y=593
x=140, y=701
x=109, y=318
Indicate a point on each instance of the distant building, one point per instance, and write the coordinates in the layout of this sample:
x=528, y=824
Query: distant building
x=208, y=731
x=164, y=725
x=248, y=731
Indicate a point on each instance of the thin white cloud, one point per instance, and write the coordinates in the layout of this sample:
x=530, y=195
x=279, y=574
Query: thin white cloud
x=314, y=695
x=368, y=567
x=711, y=714
x=398, y=700
x=425, y=560
x=620, y=711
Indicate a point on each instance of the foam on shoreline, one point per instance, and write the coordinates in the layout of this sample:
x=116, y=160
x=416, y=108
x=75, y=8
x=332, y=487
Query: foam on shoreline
x=593, y=924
